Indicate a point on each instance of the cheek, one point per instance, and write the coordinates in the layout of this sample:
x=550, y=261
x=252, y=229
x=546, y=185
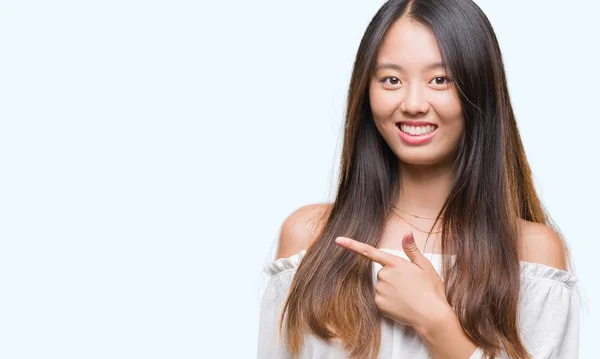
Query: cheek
x=448, y=107
x=383, y=104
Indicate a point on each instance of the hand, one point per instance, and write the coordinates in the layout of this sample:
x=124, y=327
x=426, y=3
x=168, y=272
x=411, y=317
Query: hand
x=408, y=292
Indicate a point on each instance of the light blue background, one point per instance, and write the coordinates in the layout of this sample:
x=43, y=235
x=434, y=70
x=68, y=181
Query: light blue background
x=150, y=150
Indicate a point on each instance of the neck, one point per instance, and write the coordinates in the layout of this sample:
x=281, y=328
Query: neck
x=423, y=189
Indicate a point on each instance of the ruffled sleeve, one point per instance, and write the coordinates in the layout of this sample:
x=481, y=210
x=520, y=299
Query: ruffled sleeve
x=548, y=313
x=283, y=264
x=281, y=273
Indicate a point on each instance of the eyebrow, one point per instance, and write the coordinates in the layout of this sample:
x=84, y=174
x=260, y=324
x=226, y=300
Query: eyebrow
x=387, y=65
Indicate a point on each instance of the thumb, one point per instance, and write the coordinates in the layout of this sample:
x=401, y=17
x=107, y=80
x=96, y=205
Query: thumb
x=412, y=251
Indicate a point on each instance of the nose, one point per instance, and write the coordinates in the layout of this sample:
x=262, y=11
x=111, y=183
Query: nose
x=414, y=101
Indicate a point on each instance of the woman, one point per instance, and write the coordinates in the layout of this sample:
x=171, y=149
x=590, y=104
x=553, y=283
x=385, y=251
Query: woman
x=448, y=251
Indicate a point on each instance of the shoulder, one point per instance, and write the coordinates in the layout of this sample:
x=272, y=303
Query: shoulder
x=301, y=228
x=541, y=244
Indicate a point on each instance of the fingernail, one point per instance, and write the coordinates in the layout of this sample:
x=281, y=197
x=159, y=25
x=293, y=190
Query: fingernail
x=341, y=240
x=410, y=239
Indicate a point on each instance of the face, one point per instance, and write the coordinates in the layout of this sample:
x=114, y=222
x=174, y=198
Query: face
x=414, y=101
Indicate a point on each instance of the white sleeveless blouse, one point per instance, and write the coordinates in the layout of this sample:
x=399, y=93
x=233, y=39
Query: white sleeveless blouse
x=548, y=316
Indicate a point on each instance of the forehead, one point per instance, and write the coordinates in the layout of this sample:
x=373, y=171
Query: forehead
x=409, y=44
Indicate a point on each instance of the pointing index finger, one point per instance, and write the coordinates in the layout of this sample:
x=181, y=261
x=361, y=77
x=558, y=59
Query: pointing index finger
x=366, y=250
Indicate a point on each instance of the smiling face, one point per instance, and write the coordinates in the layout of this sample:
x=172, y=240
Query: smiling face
x=414, y=102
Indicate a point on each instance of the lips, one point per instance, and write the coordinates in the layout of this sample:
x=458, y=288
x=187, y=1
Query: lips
x=415, y=123
x=417, y=129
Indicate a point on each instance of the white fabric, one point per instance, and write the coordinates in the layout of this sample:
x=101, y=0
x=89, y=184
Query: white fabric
x=548, y=316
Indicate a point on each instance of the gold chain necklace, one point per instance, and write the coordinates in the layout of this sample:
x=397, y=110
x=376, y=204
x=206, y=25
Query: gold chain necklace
x=412, y=225
x=414, y=215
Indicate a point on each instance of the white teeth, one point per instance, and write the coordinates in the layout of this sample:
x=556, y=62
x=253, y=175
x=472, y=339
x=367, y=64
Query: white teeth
x=417, y=130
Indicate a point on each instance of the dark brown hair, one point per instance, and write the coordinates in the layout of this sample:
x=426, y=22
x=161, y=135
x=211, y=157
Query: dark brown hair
x=332, y=293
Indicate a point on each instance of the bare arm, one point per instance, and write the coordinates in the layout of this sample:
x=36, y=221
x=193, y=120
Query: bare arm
x=445, y=338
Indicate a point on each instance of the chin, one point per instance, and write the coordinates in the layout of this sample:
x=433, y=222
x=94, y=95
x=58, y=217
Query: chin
x=419, y=162
x=421, y=157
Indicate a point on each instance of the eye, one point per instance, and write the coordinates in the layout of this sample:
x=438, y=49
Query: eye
x=394, y=81
x=441, y=80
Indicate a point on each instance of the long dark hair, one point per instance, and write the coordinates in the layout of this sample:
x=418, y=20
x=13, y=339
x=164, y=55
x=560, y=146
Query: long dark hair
x=332, y=292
